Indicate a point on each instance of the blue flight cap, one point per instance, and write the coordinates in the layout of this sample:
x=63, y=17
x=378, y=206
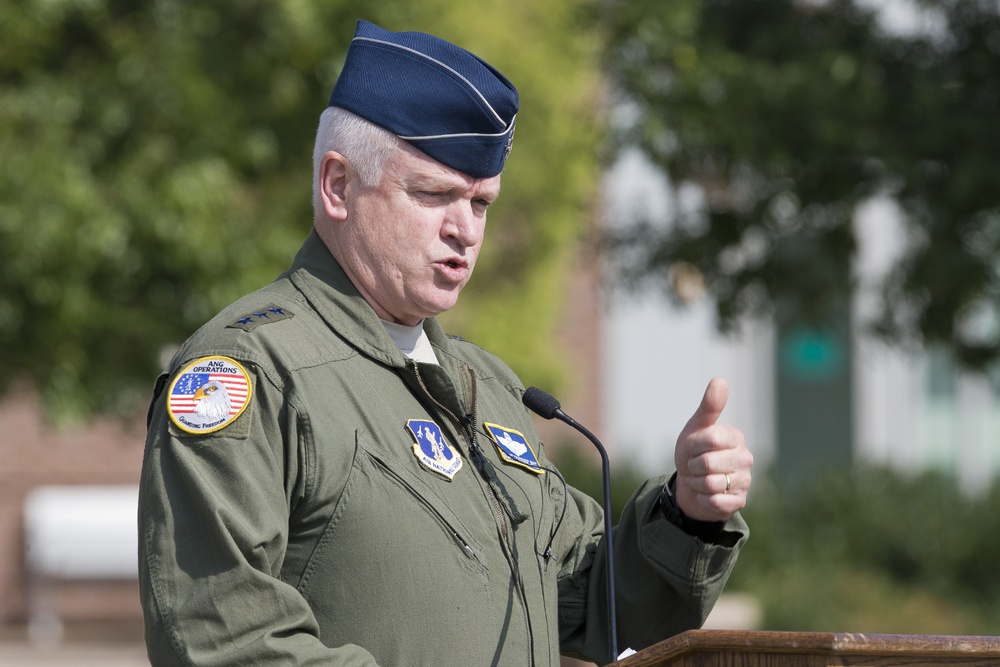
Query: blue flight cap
x=439, y=98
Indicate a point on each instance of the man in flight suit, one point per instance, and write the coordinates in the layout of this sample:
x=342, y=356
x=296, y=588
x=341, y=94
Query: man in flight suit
x=330, y=479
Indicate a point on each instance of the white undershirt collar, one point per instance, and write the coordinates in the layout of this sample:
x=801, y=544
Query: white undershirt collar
x=411, y=341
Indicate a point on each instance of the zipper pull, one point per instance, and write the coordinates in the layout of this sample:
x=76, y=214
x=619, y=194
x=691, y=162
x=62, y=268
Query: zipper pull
x=465, y=545
x=470, y=429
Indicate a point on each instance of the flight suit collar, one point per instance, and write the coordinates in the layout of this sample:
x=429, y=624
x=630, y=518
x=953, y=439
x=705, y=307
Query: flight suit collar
x=323, y=281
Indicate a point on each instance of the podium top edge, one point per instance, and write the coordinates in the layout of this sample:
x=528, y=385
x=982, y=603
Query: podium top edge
x=844, y=643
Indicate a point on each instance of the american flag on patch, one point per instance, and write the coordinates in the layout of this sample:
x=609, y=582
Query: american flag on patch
x=200, y=392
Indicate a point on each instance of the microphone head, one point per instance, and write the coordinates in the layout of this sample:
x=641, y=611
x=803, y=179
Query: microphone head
x=543, y=404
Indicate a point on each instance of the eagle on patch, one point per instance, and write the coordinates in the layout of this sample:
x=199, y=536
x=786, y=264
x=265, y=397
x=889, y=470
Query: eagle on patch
x=208, y=394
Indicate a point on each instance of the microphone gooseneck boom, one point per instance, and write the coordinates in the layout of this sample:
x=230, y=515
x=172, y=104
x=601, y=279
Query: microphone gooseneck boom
x=546, y=406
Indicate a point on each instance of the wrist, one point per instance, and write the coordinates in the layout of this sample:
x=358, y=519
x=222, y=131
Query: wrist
x=673, y=513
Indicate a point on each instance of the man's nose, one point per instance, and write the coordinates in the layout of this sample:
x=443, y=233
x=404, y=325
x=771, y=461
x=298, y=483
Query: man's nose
x=463, y=224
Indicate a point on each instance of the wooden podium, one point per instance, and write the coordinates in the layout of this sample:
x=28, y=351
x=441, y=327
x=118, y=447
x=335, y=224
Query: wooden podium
x=723, y=648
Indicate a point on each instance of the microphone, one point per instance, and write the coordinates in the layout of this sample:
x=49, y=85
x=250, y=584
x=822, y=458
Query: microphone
x=546, y=406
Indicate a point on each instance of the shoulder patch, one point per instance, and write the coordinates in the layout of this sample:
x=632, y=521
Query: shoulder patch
x=208, y=394
x=266, y=315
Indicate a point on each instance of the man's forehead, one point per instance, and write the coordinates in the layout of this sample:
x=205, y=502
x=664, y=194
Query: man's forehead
x=415, y=167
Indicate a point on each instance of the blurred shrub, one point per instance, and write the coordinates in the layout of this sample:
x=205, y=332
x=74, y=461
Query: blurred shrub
x=874, y=550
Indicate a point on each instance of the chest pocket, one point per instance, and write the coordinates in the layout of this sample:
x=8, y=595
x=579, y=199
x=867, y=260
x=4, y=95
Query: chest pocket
x=538, y=500
x=396, y=547
x=415, y=494
x=389, y=512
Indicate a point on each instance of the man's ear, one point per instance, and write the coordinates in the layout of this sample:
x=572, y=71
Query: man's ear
x=335, y=174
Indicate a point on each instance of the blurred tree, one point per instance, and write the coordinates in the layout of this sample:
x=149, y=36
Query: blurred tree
x=156, y=165
x=775, y=119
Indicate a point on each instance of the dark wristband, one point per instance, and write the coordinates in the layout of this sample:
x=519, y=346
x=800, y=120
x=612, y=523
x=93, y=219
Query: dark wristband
x=705, y=530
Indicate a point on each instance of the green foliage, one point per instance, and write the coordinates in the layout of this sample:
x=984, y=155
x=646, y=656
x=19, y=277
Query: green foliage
x=777, y=118
x=582, y=469
x=873, y=551
x=157, y=165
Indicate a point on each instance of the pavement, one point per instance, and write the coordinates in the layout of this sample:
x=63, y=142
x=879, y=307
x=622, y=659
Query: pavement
x=84, y=646
x=121, y=646
x=71, y=654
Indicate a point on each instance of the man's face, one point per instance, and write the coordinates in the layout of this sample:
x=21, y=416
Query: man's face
x=411, y=242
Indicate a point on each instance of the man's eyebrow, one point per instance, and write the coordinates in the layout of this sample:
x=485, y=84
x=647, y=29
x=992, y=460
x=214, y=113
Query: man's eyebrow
x=490, y=195
x=438, y=181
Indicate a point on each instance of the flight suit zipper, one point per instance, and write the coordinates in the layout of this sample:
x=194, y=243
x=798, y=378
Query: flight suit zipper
x=468, y=426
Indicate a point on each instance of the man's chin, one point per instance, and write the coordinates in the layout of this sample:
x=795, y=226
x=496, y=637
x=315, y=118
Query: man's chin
x=440, y=305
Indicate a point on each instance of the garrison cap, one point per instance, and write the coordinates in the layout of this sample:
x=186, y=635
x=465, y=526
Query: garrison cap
x=441, y=99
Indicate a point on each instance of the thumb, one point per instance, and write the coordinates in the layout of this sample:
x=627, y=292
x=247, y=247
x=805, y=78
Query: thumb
x=711, y=407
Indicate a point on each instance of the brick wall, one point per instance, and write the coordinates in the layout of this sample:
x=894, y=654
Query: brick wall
x=33, y=454
x=578, y=343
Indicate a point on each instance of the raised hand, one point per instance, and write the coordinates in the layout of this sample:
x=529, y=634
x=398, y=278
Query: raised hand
x=713, y=461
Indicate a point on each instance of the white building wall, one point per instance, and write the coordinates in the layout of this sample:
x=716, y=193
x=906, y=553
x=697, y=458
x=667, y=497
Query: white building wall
x=915, y=410
x=657, y=360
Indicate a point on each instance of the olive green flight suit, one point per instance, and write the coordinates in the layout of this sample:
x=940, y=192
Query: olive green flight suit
x=307, y=531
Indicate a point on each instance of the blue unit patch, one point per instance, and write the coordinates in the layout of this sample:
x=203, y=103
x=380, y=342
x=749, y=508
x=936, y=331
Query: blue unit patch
x=431, y=449
x=513, y=447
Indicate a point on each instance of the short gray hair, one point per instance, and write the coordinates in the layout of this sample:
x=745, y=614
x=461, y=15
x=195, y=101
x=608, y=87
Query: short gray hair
x=365, y=144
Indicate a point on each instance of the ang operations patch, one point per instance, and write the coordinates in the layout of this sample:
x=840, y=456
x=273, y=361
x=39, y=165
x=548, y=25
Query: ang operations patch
x=208, y=394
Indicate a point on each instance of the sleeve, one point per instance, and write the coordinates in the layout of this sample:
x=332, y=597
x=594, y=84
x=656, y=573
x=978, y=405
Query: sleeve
x=214, y=514
x=666, y=580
